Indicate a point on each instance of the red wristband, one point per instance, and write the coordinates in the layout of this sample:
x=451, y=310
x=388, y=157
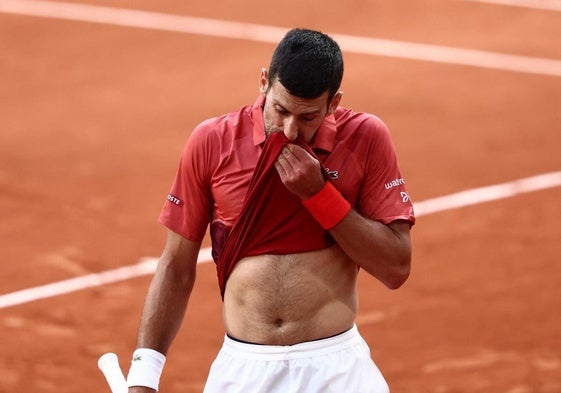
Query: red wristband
x=328, y=206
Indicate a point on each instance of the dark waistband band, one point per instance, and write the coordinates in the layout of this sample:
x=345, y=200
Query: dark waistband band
x=305, y=349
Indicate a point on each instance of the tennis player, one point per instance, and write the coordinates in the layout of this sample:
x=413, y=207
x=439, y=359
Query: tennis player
x=301, y=196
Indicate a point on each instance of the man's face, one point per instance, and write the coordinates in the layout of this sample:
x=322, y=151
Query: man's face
x=293, y=115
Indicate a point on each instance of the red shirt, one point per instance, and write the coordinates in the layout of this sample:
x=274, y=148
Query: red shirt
x=221, y=154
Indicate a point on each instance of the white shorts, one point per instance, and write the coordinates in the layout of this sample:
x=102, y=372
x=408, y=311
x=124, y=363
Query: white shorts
x=333, y=365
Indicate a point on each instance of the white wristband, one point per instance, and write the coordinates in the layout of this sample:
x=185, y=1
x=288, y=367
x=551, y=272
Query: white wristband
x=146, y=368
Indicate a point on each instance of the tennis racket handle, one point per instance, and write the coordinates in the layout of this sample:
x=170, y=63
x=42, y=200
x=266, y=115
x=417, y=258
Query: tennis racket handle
x=109, y=366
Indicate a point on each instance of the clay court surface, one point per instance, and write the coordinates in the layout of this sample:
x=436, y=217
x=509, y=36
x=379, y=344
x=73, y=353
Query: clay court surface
x=93, y=117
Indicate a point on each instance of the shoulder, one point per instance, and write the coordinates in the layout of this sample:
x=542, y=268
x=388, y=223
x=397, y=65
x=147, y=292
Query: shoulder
x=348, y=118
x=215, y=140
x=222, y=130
x=225, y=123
x=363, y=127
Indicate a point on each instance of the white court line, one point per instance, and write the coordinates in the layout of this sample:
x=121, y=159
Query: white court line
x=549, y=5
x=147, y=266
x=487, y=194
x=271, y=34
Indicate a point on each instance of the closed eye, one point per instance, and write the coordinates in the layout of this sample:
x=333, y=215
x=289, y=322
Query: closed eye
x=281, y=110
x=307, y=117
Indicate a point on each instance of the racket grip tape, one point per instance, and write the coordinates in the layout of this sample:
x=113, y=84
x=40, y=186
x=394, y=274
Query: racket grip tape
x=109, y=366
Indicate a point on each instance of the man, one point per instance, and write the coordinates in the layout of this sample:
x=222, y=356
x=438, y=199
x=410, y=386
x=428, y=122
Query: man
x=289, y=309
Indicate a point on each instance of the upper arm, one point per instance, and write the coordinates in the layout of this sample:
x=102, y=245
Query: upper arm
x=189, y=204
x=180, y=253
x=401, y=230
x=383, y=194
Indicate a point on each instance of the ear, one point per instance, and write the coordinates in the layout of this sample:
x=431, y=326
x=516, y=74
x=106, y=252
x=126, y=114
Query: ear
x=263, y=81
x=335, y=102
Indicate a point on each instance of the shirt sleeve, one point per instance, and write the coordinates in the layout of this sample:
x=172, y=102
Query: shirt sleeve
x=187, y=209
x=383, y=196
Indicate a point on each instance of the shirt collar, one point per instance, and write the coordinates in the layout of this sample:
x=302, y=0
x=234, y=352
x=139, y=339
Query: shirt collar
x=324, y=139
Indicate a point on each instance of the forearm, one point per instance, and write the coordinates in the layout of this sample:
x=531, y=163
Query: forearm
x=165, y=306
x=382, y=250
x=164, y=309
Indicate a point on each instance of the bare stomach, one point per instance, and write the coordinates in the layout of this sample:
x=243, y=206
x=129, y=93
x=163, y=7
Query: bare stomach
x=288, y=299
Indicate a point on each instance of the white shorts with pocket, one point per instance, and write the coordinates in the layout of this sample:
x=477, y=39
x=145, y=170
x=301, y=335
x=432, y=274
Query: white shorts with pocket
x=333, y=365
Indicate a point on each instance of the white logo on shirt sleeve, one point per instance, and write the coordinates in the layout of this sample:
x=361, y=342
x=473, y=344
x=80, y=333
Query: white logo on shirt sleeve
x=394, y=183
x=404, y=196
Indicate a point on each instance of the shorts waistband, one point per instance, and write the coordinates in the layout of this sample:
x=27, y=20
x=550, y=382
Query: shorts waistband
x=296, y=351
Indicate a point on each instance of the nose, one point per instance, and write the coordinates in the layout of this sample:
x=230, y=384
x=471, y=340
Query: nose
x=290, y=128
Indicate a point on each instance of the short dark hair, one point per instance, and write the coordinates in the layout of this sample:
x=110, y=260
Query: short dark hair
x=307, y=63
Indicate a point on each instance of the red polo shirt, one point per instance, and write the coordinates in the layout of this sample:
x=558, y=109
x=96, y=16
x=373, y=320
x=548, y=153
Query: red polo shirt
x=221, y=154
